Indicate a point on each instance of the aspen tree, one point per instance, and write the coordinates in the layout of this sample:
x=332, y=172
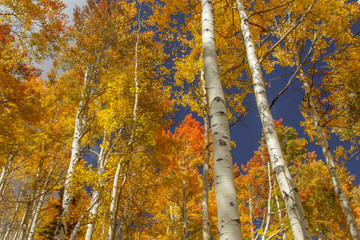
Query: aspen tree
x=325, y=31
x=30, y=202
x=299, y=224
x=80, y=127
x=115, y=194
x=344, y=202
x=95, y=198
x=36, y=212
x=226, y=198
x=5, y=170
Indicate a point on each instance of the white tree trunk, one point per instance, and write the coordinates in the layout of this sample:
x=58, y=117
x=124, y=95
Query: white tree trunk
x=80, y=125
x=172, y=219
x=205, y=189
x=5, y=171
x=268, y=214
x=114, y=194
x=103, y=156
x=226, y=198
x=30, y=202
x=280, y=216
x=344, y=203
x=114, y=202
x=299, y=224
x=40, y=202
x=10, y=227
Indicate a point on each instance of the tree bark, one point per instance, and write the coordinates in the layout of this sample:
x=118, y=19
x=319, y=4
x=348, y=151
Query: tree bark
x=280, y=217
x=114, y=200
x=226, y=198
x=4, y=172
x=268, y=214
x=80, y=125
x=30, y=202
x=299, y=224
x=113, y=204
x=344, y=202
x=205, y=188
x=40, y=202
x=10, y=227
x=104, y=153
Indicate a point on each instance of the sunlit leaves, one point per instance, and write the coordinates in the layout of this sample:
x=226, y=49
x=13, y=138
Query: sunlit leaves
x=37, y=25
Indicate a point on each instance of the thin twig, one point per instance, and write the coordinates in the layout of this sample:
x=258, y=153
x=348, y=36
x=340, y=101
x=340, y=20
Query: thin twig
x=271, y=9
x=293, y=76
x=287, y=34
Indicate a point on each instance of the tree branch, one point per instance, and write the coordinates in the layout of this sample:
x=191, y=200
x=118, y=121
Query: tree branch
x=271, y=9
x=287, y=34
x=293, y=76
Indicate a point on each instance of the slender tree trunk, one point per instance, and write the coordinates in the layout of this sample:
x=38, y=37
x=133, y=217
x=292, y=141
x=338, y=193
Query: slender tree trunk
x=205, y=189
x=104, y=153
x=40, y=202
x=29, y=204
x=78, y=224
x=114, y=203
x=171, y=217
x=250, y=215
x=76, y=228
x=299, y=224
x=10, y=227
x=184, y=213
x=80, y=125
x=5, y=171
x=268, y=214
x=280, y=216
x=344, y=202
x=226, y=198
x=103, y=227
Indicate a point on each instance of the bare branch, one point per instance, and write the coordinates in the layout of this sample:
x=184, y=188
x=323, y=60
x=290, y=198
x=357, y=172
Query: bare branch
x=281, y=230
x=285, y=36
x=271, y=9
x=293, y=76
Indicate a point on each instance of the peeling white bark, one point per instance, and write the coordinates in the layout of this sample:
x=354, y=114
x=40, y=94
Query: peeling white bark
x=298, y=222
x=226, y=198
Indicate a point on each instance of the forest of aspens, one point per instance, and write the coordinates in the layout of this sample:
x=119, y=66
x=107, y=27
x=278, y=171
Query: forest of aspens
x=127, y=135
